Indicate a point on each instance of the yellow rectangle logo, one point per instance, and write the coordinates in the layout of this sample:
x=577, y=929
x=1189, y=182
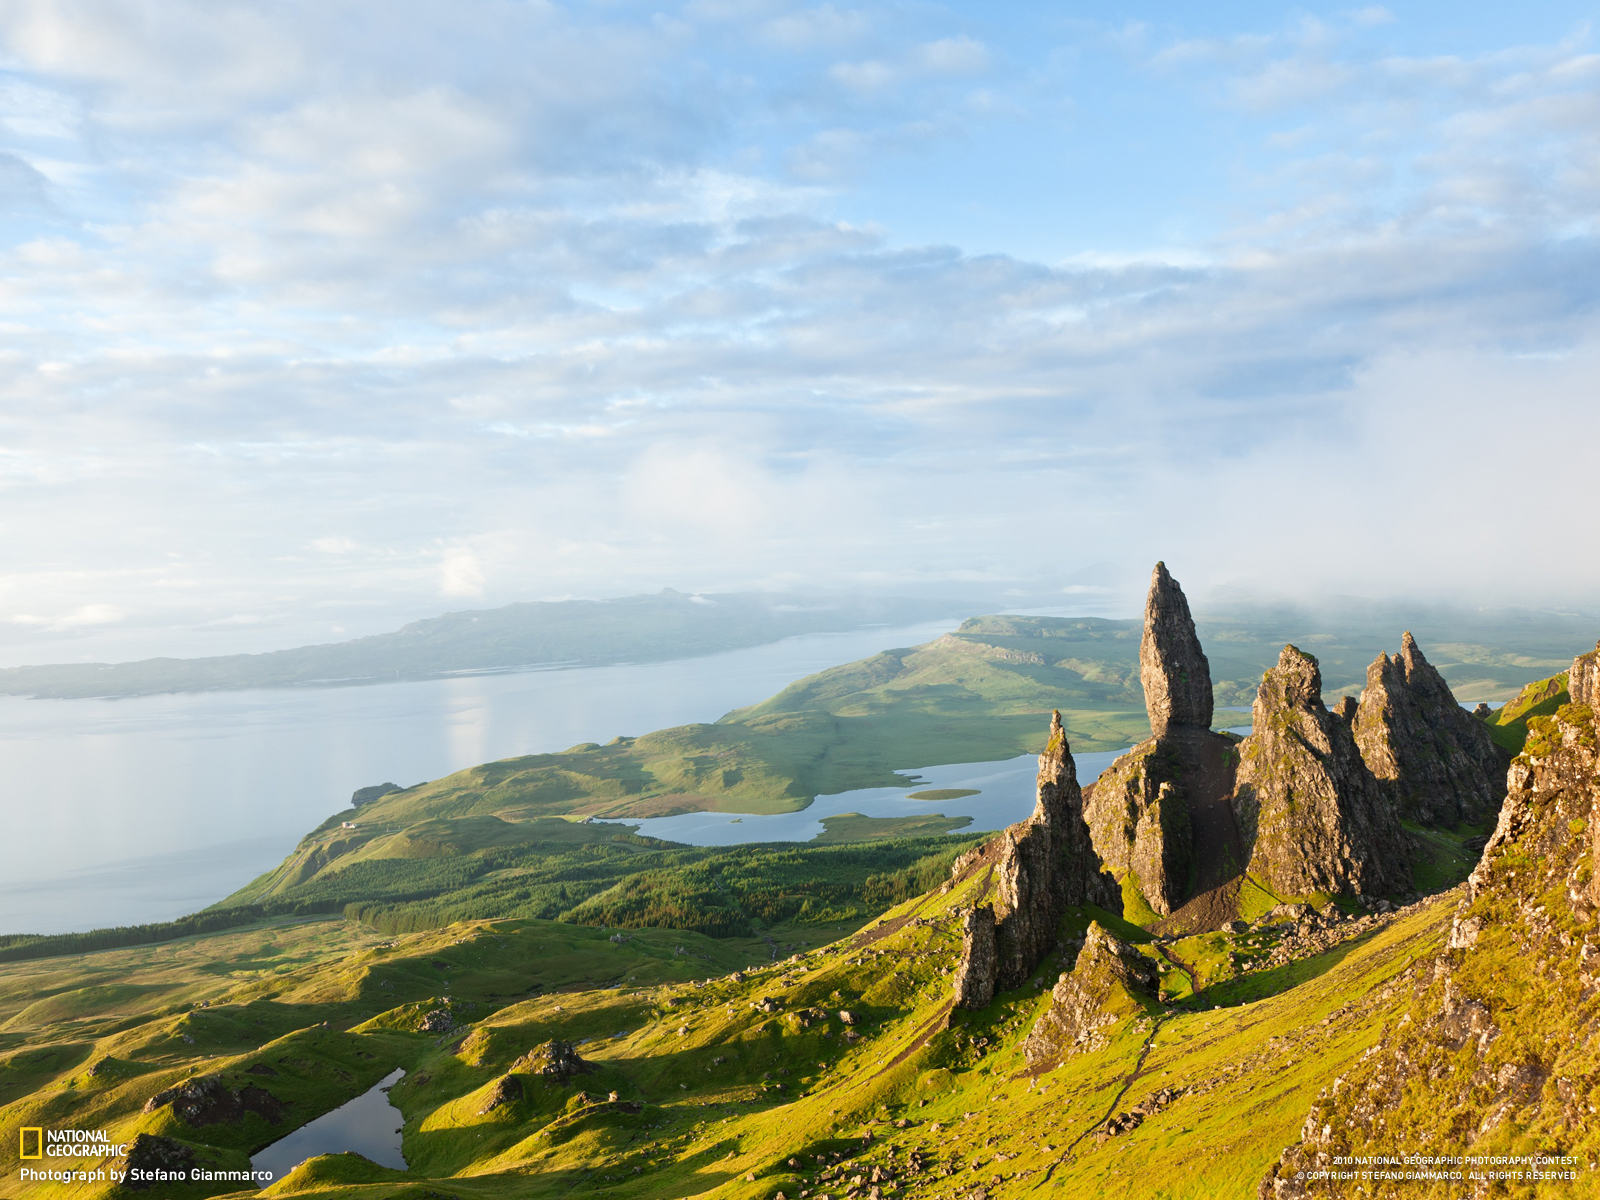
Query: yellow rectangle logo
x=38, y=1142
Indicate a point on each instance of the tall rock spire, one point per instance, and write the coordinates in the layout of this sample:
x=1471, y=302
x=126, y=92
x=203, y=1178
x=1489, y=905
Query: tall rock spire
x=1172, y=667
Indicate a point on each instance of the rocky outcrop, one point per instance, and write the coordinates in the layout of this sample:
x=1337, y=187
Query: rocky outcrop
x=1172, y=667
x=1160, y=814
x=978, y=969
x=1110, y=981
x=554, y=1059
x=207, y=1100
x=1311, y=813
x=1494, y=1054
x=1436, y=764
x=377, y=791
x=154, y=1159
x=506, y=1090
x=1041, y=866
x=1583, y=680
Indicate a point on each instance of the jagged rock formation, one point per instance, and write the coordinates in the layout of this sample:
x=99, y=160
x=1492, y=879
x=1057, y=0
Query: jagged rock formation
x=1583, y=680
x=1159, y=814
x=1041, y=866
x=1311, y=812
x=1110, y=981
x=554, y=1059
x=1435, y=763
x=978, y=969
x=1172, y=667
x=1497, y=1052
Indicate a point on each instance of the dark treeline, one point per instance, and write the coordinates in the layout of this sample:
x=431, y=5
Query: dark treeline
x=627, y=882
x=717, y=891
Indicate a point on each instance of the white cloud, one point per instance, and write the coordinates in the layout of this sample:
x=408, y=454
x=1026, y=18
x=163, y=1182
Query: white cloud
x=953, y=56
x=461, y=573
x=542, y=311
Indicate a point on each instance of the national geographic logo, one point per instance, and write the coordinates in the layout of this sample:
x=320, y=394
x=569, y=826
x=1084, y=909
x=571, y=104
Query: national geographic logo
x=32, y=1136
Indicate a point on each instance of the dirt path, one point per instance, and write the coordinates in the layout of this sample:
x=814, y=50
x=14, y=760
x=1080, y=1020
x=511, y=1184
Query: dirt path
x=1128, y=1081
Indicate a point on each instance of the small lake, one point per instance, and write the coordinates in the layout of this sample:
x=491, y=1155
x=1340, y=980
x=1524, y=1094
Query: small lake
x=118, y=812
x=369, y=1125
x=1005, y=794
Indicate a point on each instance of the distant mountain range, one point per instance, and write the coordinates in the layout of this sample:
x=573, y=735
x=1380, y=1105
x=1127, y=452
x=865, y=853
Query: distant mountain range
x=657, y=627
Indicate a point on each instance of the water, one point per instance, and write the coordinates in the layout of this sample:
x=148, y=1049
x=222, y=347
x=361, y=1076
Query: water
x=122, y=811
x=1006, y=794
x=369, y=1125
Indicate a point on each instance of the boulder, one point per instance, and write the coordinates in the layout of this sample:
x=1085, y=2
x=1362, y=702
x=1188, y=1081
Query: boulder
x=1435, y=763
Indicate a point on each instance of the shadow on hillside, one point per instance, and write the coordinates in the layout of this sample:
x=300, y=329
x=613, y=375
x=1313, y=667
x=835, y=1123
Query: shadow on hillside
x=1259, y=985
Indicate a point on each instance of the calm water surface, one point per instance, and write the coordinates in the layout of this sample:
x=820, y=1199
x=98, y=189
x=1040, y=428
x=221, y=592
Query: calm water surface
x=369, y=1125
x=1006, y=793
x=121, y=811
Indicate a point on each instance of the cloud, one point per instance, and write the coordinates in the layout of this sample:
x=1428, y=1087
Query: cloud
x=461, y=573
x=557, y=301
x=87, y=615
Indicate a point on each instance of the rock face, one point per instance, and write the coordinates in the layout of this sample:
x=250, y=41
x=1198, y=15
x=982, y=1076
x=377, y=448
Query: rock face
x=1435, y=763
x=1583, y=680
x=1495, y=1052
x=1160, y=814
x=1041, y=866
x=978, y=969
x=1109, y=982
x=1311, y=813
x=1172, y=667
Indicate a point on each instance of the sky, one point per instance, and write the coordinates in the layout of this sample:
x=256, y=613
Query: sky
x=320, y=317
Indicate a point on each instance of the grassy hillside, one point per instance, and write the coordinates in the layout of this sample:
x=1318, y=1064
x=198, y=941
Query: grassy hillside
x=715, y=1070
x=568, y=633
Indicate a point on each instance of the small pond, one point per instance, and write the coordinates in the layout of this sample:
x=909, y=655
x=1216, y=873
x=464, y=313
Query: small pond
x=369, y=1125
x=997, y=794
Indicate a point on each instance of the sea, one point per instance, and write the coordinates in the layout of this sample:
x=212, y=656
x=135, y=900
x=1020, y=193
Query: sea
x=122, y=811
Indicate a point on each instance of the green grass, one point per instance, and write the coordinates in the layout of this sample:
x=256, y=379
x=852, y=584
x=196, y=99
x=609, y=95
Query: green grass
x=1508, y=725
x=943, y=794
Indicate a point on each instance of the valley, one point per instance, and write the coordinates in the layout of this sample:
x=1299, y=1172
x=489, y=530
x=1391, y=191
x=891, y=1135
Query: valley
x=1140, y=990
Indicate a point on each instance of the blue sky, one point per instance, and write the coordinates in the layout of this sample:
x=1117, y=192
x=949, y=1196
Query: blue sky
x=319, y=317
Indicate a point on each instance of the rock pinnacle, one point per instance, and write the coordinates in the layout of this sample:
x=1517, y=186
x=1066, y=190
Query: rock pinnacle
x=1172, y=667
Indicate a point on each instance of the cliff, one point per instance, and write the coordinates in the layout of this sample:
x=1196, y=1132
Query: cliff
x=1312, y=814
x=1159, y=814
x=1437, y=764
x=1041, y=866
x=1497, y=1053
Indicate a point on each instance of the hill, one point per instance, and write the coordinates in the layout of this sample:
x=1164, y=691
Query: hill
x=564, y=633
